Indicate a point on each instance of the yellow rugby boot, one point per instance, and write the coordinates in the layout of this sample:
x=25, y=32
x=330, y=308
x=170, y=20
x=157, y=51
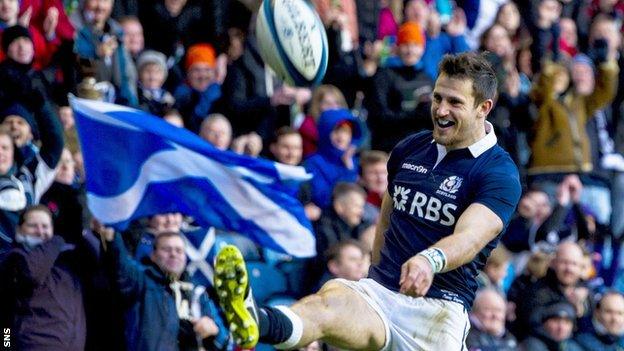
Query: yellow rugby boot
x=232, y=285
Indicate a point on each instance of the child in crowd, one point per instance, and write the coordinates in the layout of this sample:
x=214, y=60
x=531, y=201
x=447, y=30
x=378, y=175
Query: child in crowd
x=152, y=68
x=374, y=179
x=339, y=136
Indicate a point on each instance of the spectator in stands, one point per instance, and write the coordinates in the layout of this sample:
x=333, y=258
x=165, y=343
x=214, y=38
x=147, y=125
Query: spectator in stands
x=339, y=136
x=400, y=99
x=508, y=16
x=287, y=148
x=174, y=117
x=254, y=99
x=345, y=260
x=607, y=331
x=217, y=130
x=342, y=26
x=568, y=220
x=152, y=69
x=157, y=224
x=21, y=81
x=568, y=40
x=487, y=320
x=561, y=284
x=344, y=219
x=374, y=179
x=50, y=18
x=563, y=113
x=442, y=39
x=495, y=270
x=66, y=200
x=172, y=26
x=325, y=97
x=134, y=40
x=45, y=44
x=533, y=210
x=27, y=170
x=555, y=332
x=249, y=144
x=46, y=276
x=167, y=310
x=196, y=97
x=102, y=53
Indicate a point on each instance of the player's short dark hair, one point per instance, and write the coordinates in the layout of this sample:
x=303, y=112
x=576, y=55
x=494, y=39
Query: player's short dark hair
x=40, y=208
x=165, y=235
x=475, y=67
x=372, y=157
x=335, y=251
x=343, y=188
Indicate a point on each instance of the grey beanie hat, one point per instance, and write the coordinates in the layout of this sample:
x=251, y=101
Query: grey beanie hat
x=152, y=56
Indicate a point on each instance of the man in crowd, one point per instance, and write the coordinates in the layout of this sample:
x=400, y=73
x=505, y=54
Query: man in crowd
x=167, y=311
x=487, y=321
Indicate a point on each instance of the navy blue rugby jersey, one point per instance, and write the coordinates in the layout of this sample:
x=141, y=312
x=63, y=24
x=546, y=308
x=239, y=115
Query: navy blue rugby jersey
x=430, y=189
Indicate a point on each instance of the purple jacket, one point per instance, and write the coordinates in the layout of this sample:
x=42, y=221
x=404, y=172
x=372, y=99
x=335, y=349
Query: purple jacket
x=49, y=311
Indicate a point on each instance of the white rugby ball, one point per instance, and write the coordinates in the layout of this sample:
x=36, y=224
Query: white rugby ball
x=292, y=41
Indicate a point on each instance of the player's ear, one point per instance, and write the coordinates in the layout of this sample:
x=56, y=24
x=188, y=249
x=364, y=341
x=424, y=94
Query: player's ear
x=485, y=107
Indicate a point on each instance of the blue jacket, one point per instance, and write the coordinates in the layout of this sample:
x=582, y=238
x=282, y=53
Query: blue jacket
x=591, y=340
x=326, y=164
x=121, y=71
x=152, y=322
x=195, y=105
x=436, y=48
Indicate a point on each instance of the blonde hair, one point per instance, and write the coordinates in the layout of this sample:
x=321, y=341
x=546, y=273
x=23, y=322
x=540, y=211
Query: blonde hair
x=319, y=94
x=499, y=256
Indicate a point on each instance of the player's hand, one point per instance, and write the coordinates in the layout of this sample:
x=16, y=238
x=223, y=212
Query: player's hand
x=416, y=276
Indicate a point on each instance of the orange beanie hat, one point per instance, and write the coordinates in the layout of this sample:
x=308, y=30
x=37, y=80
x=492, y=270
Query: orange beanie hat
x=200, y=53
x=410, y=33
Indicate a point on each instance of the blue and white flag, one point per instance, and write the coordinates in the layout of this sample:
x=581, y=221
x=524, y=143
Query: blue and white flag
x=138, y=165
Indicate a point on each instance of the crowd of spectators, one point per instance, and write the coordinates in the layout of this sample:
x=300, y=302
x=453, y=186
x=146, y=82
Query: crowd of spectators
x=555, y=282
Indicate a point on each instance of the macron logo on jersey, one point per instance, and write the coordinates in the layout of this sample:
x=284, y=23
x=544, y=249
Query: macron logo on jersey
x=423, y=206
x=411, y=167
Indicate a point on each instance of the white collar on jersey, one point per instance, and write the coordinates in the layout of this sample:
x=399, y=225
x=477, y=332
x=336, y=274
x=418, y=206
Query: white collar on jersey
x=476, y=149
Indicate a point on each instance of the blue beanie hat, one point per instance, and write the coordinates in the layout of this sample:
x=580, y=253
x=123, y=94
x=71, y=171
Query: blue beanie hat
x=17, y=109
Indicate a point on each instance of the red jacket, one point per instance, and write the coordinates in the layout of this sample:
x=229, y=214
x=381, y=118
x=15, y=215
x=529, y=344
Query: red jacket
x=64, y=29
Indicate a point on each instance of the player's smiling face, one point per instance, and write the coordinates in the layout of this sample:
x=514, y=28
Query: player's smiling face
x=457, y=121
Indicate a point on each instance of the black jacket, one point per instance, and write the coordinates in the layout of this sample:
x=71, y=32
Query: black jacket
x=399, y=105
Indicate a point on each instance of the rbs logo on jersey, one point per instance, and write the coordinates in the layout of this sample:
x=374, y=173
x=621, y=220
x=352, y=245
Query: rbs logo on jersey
x=429, y=208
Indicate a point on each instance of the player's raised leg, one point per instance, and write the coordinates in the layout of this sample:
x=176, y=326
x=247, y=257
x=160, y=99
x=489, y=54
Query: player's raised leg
x=336, y=314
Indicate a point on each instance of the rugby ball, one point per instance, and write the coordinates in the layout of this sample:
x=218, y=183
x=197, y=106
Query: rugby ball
x=292, y=41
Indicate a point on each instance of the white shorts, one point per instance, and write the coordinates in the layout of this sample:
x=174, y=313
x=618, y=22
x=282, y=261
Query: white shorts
x=411, y=323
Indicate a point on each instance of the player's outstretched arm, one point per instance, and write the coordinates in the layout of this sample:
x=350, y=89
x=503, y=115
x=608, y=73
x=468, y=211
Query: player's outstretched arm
x=477, y=226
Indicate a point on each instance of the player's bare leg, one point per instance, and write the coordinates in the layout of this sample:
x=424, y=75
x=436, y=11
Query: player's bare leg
x=336, y=314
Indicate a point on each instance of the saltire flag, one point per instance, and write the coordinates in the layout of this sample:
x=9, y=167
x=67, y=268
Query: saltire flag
x=138, y=165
